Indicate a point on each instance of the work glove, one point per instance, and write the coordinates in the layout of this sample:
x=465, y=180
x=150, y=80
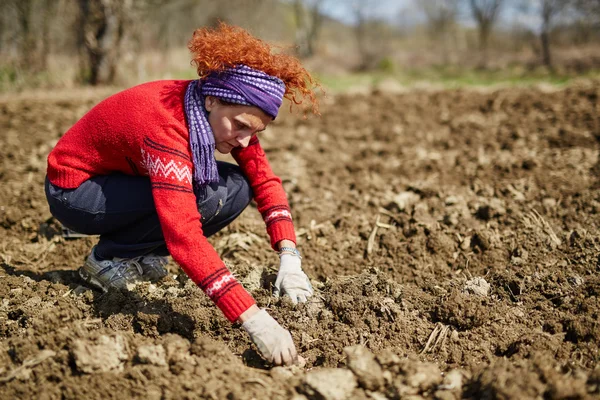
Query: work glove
x=274, y=343
x=291, y=280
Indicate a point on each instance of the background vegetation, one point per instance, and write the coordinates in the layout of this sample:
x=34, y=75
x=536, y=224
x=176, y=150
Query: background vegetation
x=64, y=43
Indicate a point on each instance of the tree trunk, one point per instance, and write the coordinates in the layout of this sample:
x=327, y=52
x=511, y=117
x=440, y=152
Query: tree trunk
x=315, y=28
x=308, y=25
x=549, y=9
x=28, y=42
x=546, y=54
x=102, y=27
x=302, y=45
x=484, y=36
x=362, y=49
x=48, y=15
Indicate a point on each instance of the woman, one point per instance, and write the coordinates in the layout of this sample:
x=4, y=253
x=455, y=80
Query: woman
x=139, y=170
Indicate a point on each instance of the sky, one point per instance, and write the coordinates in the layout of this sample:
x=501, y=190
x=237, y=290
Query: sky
x=387, y=9
x=405, y=12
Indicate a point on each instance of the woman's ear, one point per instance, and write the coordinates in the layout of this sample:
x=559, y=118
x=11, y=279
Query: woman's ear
x=209, y=102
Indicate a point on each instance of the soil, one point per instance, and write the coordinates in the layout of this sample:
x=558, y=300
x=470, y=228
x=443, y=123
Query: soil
x=453, y=238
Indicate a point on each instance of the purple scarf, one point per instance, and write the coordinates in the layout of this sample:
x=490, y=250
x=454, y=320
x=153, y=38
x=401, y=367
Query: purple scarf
x=240, y=85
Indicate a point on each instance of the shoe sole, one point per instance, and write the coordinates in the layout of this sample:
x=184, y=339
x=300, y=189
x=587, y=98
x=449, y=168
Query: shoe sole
x=88, y=278
x=156, y=278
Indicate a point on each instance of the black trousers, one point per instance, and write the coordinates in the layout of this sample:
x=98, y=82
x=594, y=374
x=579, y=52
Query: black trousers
x=120, y=209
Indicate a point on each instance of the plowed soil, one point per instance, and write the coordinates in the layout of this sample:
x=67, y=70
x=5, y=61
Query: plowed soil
x=453, y=237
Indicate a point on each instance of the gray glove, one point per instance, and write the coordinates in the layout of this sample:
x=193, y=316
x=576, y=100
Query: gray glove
x=291, y=280
x=274, y=343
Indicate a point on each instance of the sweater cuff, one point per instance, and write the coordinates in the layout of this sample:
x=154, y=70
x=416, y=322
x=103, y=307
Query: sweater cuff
x=63, y=180
x=226, y=292
x=281, y=230
x=235, y=302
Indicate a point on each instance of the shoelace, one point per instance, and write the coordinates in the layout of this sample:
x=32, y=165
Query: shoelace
x=122, y=266
x=151, y=259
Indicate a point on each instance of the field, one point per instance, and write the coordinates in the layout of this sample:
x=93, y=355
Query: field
x=453, y=238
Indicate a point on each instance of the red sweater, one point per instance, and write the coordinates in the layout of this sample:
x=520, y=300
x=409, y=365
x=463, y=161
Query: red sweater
x=143, y=131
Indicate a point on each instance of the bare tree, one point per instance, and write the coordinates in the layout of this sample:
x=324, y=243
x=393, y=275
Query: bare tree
x=24, y=13
x=309, y=18
x=102, y=26
x=371, y=33
x=590, y=6
x=589, y=10
x=29, y=21
x=441, y=17
x=485, y=13
x=549, y=9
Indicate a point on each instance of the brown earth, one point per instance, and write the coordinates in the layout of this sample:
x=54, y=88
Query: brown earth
x=453, y=234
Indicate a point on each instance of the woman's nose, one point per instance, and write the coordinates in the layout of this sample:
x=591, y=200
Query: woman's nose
x=243, y=141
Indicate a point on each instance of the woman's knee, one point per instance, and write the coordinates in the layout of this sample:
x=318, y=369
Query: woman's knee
x=239, y=190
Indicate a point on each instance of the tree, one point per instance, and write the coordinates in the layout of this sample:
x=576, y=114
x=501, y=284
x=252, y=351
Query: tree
x=29, y=21
x=591, y=7
x=309, y=18
x=549, y=9
x=372, y=34
x=589, y=12
x=102, y=27
x=441, y=17
x=485, y=13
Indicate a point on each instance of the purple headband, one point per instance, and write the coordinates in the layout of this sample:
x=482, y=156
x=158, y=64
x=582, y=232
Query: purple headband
x=244, y=85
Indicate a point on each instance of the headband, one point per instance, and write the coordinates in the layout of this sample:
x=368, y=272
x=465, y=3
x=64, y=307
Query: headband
x=244, y=85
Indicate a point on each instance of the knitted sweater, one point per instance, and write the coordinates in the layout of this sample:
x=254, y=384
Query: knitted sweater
x=143, y=131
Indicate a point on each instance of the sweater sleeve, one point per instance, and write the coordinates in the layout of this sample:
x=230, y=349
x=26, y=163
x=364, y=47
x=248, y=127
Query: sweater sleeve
x=268, y=192
x=169, y=166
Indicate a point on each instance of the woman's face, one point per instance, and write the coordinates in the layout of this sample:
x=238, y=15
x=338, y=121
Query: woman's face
x=234, y=125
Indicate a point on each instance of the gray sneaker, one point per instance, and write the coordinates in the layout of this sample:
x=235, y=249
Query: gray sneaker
x=153, y=267
x=118, y=273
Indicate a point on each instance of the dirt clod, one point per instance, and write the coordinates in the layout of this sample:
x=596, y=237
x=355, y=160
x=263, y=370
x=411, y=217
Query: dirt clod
x=329, y=384
x=405, y=200
x=106, y=354
x=362, y=362
x=416, y=378
x=477, y=286
x=452, y=381
x=462, y=311
x=481, y=241
x=152, y=354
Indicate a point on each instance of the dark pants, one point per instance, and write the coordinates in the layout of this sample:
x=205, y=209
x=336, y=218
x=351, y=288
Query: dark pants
x=120, y=209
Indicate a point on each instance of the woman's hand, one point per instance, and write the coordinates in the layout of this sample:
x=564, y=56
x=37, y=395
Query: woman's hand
x=291, y=280
x=274, y=343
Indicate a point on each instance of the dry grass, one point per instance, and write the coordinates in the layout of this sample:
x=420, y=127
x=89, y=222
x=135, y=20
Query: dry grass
x=533, y=220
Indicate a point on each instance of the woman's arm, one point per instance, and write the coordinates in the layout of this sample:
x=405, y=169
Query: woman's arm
x=169, y=167
x=269, y=195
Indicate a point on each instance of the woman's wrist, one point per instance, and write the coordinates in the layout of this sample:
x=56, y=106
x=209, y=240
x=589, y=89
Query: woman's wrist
x=288, y=247
x=285, y=243
x=246, y=315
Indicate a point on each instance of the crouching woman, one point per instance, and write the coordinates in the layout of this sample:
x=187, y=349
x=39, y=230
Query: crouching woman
x=139, y=170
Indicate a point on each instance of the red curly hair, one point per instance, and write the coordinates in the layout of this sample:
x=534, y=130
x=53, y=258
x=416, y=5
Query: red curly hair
x=227, y=46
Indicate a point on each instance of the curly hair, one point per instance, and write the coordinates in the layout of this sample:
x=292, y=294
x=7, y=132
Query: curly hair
x=227, y=46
